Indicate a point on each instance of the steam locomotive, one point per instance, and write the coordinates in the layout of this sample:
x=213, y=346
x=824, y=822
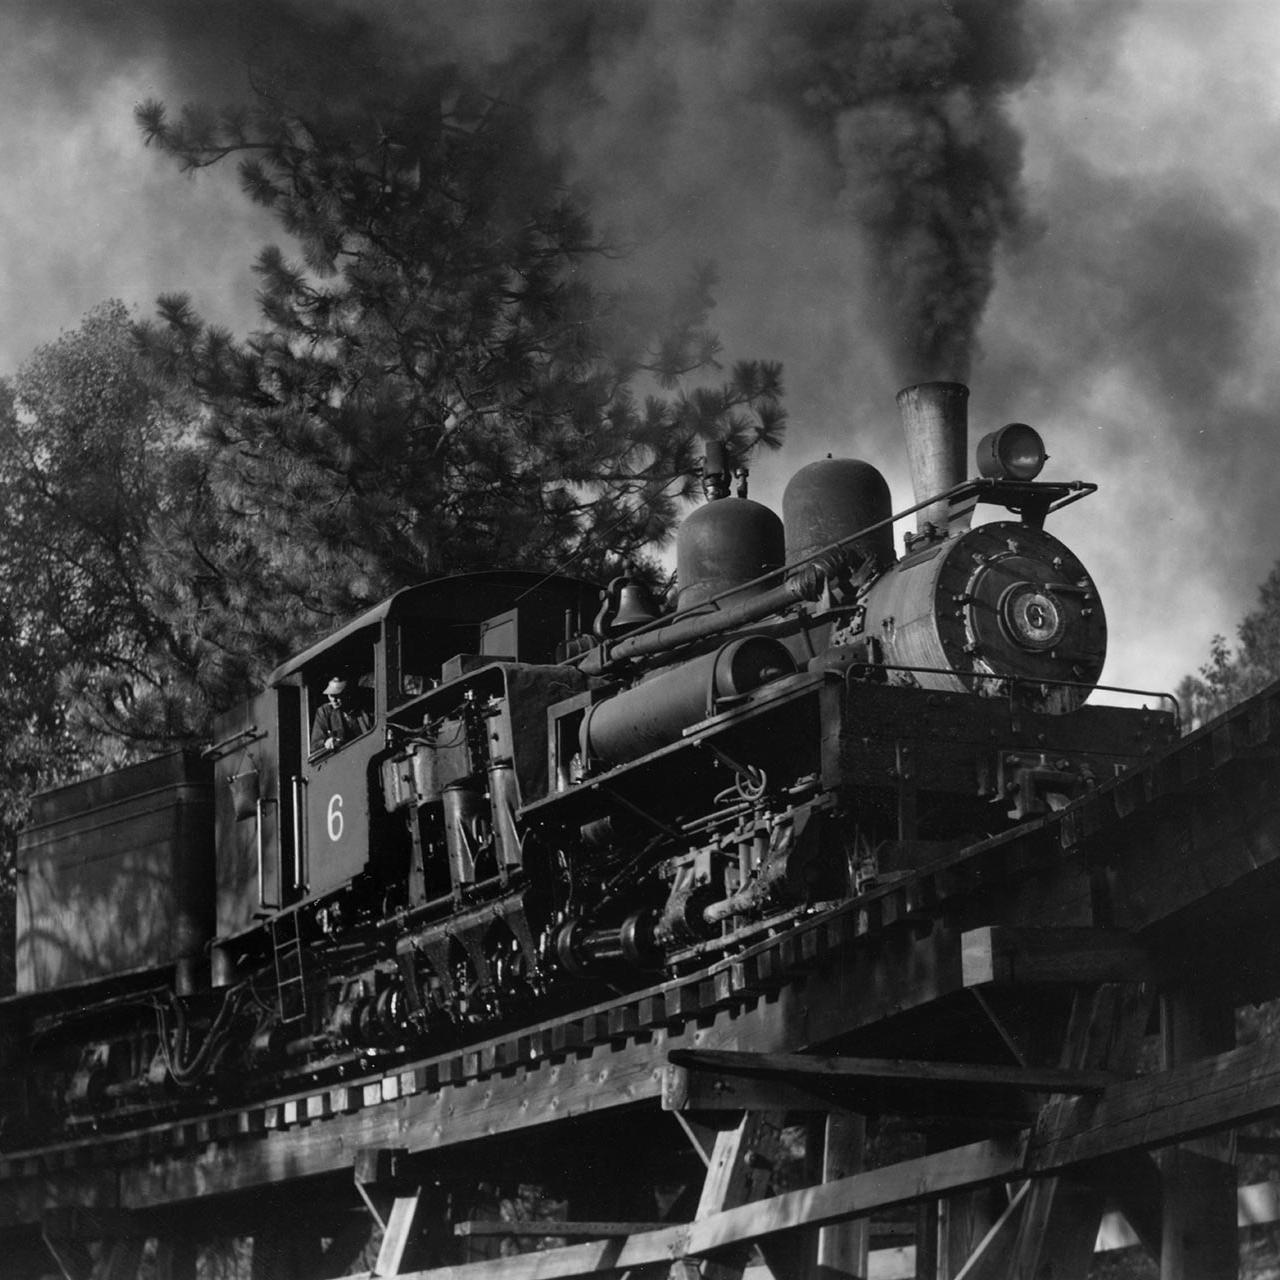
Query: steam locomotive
x=552, y=792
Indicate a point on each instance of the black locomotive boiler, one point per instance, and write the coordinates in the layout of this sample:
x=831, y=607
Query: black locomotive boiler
x=553, y=793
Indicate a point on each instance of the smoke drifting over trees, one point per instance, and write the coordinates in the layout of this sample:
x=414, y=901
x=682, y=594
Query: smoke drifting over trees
x=1115, y=212
x=883, y=123
x=896, y=109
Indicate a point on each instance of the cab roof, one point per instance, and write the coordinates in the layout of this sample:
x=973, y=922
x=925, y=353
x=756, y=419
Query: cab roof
x=409, y=600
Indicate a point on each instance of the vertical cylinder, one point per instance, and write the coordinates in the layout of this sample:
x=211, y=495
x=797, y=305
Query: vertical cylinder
x=426, y=773
x=224, y=971
x=503, y=804
x=935, y=419
x=184, y=976
x=464, y=831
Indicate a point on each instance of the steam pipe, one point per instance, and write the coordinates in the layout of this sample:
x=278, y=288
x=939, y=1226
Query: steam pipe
x=803, y=586
x=805, y=583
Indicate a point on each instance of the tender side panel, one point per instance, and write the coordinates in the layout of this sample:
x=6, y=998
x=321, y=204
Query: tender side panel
x=117, y=876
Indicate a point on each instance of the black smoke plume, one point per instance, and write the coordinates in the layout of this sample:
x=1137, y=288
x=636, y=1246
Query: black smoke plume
x=692, y=118
x=721, y=129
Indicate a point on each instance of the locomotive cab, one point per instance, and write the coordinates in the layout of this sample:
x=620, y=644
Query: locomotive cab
x=297, y=821
x=330, y=794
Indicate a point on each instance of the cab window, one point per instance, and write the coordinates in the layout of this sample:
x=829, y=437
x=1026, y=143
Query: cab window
x=341, y=702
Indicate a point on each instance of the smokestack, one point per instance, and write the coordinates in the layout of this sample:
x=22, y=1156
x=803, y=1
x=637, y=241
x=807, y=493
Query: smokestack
x=935, y=417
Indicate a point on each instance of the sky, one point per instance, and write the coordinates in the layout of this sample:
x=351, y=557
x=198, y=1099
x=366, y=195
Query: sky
x=1110, y=273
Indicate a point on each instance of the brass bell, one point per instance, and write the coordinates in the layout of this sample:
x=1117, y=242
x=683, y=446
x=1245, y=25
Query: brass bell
x=627, y=604
x=635, y=605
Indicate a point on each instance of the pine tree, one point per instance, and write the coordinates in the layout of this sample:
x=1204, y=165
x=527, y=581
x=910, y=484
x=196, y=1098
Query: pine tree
x=438, y=384
x=1228, y=678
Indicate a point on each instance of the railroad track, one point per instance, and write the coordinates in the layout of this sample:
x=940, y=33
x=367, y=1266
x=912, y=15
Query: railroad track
x=1104, y=861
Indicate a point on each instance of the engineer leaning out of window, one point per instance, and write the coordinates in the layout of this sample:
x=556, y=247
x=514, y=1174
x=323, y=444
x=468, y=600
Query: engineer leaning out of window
x=335, y=723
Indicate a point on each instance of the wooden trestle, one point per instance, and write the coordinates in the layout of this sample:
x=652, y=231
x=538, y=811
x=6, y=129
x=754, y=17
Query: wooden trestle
x=983, y=1056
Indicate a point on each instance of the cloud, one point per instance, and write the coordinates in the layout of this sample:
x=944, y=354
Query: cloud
x=1135, y=326
x=1073, y=205
x=741, y=129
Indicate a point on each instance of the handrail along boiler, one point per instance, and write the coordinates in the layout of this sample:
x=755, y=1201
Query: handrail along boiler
x=558, y=798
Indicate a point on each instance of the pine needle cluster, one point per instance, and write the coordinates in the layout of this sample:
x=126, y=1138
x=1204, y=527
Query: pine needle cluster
x=439, y=383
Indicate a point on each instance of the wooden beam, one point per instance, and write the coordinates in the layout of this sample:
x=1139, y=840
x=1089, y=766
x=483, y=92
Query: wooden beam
x=1156, y=1110
x=991, y=1256
x=72, y=1256
x=345, y=1248
x=964, y=1221
x=996, y=1095
x=1061, y=1214
x=927, y=1240
x=377, y=1174
x=861, y=1194
x=816, y=1070
x=701, y=1137
x=738, y=1173
x=985, y=1112
x=843, y=1247
x=1058, y=1228
x=404, y=1222
x=1132, y=1181
x=1199, y=1241
x=397, y=1204
x=1221, y=845
x=686, y=1091
x=1046, y=955
x=569, y=1230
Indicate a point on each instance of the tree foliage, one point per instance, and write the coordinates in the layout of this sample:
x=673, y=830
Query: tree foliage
x=95, y=473
x=1228, y=678
x=439, y=384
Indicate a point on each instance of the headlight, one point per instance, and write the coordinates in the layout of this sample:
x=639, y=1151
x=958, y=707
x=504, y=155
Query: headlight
x=1015, y=452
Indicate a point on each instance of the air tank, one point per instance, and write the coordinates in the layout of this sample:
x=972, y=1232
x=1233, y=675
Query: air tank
x=833, y=499
x=725, y=544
